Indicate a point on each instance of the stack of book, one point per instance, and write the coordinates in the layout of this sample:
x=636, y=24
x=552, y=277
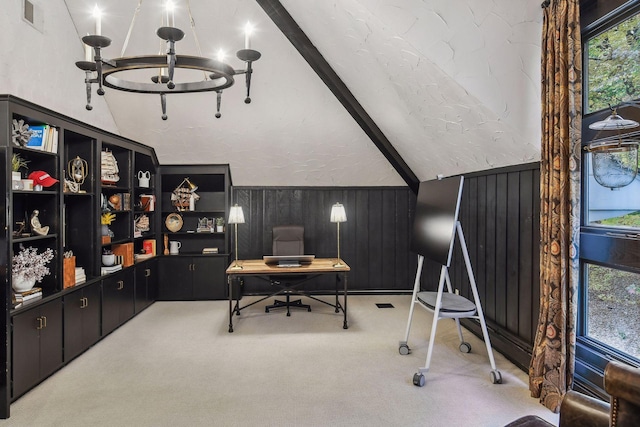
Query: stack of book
x=26, y=297
x=81, y=277
x=111, y=269
x=44, y=138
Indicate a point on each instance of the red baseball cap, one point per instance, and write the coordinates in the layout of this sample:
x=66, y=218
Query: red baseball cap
x=42, y=178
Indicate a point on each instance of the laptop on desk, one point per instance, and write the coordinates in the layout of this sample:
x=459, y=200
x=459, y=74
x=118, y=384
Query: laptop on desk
x=288, y=260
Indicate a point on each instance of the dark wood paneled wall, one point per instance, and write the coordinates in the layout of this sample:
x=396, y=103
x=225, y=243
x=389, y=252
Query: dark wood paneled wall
x=500, y=217
x=374, y=241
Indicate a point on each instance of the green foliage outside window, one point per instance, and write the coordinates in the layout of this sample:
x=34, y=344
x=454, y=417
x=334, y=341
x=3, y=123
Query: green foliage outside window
x=614, y=65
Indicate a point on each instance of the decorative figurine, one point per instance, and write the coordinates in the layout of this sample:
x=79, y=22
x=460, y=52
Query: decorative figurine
x=36, y=227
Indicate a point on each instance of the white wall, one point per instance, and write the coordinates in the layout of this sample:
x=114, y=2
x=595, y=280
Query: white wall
x=40, y=66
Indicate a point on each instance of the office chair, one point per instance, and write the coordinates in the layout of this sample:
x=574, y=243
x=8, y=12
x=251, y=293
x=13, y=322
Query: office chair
x=288, y=240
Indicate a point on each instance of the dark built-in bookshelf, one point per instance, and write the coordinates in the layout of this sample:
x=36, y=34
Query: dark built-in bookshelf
x=198, y=270
x=42, y=334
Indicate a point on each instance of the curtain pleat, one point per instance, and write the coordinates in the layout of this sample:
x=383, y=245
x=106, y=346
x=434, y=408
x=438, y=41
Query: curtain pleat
x=553, y=360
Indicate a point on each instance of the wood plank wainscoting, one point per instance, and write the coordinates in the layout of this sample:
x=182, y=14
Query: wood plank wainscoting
x=500, y=217
x=374, y=241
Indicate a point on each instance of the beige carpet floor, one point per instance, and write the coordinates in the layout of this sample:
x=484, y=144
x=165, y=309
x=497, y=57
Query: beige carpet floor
x=175, y=364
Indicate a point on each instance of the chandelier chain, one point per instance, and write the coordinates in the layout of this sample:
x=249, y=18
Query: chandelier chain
x=133, y=21
x=192, y=22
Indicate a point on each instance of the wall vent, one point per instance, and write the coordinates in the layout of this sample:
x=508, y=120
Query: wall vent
x=32, y=14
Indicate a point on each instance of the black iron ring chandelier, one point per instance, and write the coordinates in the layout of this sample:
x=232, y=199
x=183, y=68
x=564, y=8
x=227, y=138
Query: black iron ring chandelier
x=217, y=74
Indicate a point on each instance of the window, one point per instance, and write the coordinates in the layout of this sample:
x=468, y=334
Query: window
x=613, y=309
x=609, y=291
x=613, y=65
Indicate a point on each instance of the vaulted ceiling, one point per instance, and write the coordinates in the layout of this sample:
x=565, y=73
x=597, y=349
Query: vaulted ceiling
x=364, y=92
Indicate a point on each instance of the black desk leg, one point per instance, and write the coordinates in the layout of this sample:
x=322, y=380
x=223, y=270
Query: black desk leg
x=345, y=326
x=230, y=283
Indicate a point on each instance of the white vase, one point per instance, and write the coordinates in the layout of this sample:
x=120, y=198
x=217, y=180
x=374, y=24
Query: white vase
x=20, y=284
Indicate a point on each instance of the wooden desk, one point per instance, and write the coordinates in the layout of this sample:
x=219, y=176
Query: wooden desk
x=258, y=268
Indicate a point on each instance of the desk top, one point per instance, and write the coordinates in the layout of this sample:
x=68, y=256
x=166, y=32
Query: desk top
x=258, y=267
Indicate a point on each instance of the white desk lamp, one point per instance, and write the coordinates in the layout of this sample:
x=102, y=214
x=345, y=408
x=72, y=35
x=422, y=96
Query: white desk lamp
x=236, y=216
x=338, y=215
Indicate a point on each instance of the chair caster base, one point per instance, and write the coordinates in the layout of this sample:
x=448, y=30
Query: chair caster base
x=404, y=349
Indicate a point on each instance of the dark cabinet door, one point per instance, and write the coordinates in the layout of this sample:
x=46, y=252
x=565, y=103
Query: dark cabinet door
x=26, y=351
x=50, y=338
x=176, y=283
x=152, y=282
x=37, y=345
x=111, y=302
x=81, y=320
x=90, y=316
x=146, y=285
x=141, y=287
x=118, y=301
x=209, y=277
x=73, y=325
x=126, y=296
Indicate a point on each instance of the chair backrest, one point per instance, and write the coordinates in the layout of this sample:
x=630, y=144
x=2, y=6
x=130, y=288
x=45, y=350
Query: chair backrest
x=288, y=240
x=622, y=382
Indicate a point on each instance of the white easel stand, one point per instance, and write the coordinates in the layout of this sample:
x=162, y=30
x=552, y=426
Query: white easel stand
x=448, y=305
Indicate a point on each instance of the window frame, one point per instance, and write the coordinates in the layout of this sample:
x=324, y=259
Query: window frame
x=597, y=247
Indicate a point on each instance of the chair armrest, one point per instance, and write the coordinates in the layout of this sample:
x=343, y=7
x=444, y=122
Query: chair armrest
x=581, y=410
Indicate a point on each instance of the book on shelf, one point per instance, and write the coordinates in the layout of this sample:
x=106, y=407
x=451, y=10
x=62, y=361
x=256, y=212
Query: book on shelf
x=38, y=137
x=32, y=296
x=125, y=250
x=26, y=297
x=31, y=291
x=44, y=138
x=149, y=246
x=209, y=251
x=141, y=257
x=111, y=269
x=51, y=140
x=36, y=297
x=81, y=276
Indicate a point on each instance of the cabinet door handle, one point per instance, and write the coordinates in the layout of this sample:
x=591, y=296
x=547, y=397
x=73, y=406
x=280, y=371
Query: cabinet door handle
x=193, y=267
x=120, y=285
x=147, y=272
x=44, y=318
x=39, y=319
x=84, y=302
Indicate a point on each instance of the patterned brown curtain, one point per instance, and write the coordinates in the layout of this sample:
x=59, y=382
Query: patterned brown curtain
x=553, y=361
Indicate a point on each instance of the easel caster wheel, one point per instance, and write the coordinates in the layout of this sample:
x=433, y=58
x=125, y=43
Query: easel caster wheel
x=418, y=379
x=465, y=347
x=404, y=349
x=496, y=377
x=266, y=310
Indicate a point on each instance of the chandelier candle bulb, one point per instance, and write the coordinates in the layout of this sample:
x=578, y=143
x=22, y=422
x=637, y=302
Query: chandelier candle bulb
x=98, y=15
x=170, y=15
x=88, y=53
x=247, y=35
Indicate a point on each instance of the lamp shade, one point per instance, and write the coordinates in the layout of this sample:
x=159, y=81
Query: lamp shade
x=614, y=122
x=338, y=213
x=236, y=216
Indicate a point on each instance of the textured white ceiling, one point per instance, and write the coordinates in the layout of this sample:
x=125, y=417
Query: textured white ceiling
x=454, y=85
